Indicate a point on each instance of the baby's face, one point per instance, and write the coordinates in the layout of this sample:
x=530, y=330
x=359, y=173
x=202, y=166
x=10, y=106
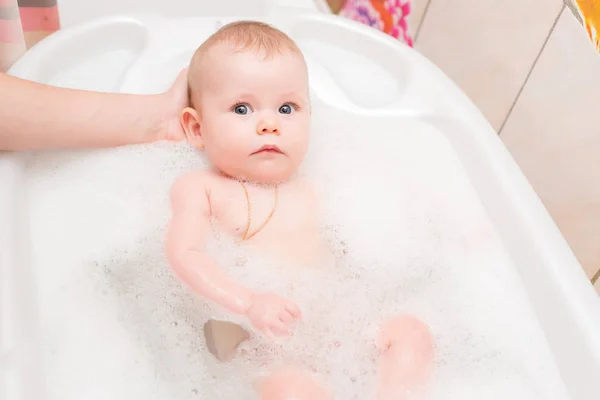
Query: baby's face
x=253, y=114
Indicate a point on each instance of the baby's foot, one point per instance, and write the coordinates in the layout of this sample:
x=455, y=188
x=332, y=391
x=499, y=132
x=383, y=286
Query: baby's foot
x=292, y=384
x=407, y=359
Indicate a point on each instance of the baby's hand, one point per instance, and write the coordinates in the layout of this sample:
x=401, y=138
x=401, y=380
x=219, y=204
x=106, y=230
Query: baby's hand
x=272, y=314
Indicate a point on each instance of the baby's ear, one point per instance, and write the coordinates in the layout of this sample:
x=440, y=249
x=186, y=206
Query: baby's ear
x=191, y=126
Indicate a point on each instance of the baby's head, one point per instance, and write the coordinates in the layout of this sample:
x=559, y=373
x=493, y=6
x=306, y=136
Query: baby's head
x=249, y=98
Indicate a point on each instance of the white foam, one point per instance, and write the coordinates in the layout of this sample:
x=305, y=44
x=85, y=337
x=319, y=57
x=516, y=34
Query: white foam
x=409, y=232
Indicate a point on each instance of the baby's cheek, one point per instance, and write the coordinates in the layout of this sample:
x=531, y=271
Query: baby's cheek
x=298, y=145
x=241, y=139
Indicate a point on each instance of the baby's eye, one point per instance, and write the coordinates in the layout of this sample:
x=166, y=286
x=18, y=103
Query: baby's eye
x=241, y=109
x=286, y=109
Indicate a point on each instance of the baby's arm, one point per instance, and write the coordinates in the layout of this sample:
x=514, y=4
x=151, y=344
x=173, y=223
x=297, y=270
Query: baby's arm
x=186, y=237
x=189, y=227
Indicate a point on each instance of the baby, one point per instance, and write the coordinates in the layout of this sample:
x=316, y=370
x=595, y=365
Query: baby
x=250, y=113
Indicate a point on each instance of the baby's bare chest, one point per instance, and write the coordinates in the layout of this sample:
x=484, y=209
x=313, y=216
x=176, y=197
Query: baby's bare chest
x=268, y=216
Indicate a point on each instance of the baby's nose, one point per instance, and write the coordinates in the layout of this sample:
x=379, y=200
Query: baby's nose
x=267, y=126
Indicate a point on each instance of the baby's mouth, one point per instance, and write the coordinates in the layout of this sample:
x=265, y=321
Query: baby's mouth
x=268, y=148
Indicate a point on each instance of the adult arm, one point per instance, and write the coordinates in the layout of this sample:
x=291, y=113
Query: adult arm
x=35, y=116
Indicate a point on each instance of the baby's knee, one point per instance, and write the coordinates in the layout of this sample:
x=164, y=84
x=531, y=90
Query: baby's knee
x=407, y=331
x=407, y=360
x=292, y=384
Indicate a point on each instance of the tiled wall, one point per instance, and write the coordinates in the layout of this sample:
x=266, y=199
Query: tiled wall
x=531, y=69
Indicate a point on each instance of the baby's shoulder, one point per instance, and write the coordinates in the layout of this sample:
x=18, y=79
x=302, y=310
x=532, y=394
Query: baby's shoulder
x=192, y=184
x=198, y=176
x=305, y=187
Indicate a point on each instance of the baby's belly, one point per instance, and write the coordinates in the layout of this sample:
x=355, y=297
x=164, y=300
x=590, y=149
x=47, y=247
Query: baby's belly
x=295, y=251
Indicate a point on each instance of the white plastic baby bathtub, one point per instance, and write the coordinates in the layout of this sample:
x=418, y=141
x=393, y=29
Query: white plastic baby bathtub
x=359, y=72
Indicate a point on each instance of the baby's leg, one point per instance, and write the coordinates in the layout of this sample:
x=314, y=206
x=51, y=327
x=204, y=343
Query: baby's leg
x=292, y=384
x=223, y=338
x=407, y=359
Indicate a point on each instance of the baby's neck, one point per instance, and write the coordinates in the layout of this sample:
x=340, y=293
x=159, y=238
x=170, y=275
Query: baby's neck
x=261, y=184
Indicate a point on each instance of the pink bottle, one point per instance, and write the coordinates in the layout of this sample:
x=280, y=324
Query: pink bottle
x=40, y=19
x=12, y=40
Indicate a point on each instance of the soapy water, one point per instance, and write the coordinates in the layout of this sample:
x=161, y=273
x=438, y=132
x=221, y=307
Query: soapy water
x=409, y=236
x=408, y=233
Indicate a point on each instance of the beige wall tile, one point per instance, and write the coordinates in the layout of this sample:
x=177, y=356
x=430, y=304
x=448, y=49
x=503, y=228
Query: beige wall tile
x=554, y=135
x=597, y=286
x=418, y=10
x=487, y=47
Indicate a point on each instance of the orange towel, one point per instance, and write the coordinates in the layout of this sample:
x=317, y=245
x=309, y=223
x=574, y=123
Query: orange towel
x=589, y=10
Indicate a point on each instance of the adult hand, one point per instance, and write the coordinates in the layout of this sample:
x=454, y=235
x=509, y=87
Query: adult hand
x=170, y=105
x=35, y=116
